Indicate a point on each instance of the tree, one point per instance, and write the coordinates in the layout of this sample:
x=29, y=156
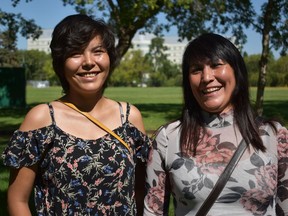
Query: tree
x=252, y=64
x=11, y=24
x=163, y=71
x=132, y=71
x=193, y=18
x=272, y=24
x=49, y=72
x=280, y=69
x=33, y=61
x=156, y=53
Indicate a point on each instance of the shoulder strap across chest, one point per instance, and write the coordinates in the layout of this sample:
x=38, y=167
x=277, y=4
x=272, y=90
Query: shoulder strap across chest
x=95, y=121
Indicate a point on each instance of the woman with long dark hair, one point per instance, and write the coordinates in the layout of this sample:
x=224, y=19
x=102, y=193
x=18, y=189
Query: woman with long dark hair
x=191, y=153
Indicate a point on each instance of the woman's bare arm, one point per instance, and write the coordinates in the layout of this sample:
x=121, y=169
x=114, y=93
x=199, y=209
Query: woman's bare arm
x=20, y=187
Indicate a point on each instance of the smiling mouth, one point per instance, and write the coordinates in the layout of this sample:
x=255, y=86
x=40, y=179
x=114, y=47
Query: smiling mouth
x=210, y=90
x=92, y=74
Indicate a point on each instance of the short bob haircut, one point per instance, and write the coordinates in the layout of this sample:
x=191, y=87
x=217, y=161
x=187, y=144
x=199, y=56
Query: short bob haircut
x=73, y=34
x=209, y=48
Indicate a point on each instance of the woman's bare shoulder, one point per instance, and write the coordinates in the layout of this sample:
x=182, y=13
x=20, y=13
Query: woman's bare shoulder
x=135, y=116
x=36, y=118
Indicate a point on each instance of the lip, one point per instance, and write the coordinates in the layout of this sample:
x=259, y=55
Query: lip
x=210, y=90
x=87, y=74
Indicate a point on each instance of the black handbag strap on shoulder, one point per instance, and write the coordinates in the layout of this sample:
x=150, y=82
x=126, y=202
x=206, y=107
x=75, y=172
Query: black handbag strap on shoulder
x=221, y=182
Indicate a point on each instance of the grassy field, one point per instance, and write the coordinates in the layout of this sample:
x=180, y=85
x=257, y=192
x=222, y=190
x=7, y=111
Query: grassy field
x=158, y=106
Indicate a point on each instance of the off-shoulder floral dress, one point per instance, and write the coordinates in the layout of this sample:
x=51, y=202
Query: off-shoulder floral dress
x=77, y=176
x=257, y=186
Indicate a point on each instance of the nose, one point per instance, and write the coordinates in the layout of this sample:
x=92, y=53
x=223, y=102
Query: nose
x=88, y=62
x=207, y=74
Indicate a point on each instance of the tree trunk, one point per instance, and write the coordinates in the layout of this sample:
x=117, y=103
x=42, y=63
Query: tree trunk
x=264, y=58
x=261, y=86
x=262, y=74
x=124, y=43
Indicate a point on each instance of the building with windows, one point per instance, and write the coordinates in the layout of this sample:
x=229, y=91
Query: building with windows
x=175, y=48
x=42, y=43
x=140, y=41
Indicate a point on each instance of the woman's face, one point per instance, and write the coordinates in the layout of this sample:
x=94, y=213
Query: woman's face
x=212, y=85
x=88, y=70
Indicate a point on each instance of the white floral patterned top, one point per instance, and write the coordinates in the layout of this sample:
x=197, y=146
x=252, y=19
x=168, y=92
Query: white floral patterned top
x=257, y=186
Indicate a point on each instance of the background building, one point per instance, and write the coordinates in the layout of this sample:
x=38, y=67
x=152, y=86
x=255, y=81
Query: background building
x=175, y=48
x=141, y=42
x=42, y=43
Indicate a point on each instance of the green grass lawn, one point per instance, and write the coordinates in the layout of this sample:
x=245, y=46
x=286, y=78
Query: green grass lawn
x=157, y=105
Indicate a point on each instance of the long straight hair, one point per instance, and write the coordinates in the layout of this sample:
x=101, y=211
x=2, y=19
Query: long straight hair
x=214, y=47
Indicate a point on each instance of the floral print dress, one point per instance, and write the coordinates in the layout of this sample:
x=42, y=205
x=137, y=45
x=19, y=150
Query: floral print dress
x=257, y=186
x=77, y=176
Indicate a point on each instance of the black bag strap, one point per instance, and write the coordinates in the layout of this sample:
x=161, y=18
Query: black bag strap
x=221, y=182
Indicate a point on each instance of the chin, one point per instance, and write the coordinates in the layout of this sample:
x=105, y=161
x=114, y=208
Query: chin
x=214, y=110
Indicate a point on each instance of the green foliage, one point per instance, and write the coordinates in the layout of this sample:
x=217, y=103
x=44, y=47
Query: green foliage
x=273, y=20
x=273, y=80
x=253, y=79
x=33, y=61
x=277, y=70
x=11, y=24
x=156, y=55
x=172, y=73
x=37, y=64
x=164, y=72
x=8, y=58
x=252, y=63
x=220, y=16
x=156, y=79
x=132, y=70
x=153, y=69
x=49, y=71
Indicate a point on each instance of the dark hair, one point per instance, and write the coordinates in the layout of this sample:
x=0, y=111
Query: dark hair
x=73, y=34
x=212, y=47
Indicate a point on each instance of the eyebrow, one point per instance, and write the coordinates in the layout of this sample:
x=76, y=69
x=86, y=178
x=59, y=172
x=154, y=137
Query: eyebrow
x=98, y=46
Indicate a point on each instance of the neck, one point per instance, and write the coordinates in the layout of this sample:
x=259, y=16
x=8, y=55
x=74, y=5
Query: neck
x=85, y=103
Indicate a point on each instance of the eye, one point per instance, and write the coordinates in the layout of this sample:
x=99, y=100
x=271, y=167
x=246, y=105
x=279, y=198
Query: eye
x=217, y=64
x=99, y=50
x=75, y=55
x=195, y=69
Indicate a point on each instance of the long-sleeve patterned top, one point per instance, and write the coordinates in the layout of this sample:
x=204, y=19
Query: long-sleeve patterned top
x=257, y=186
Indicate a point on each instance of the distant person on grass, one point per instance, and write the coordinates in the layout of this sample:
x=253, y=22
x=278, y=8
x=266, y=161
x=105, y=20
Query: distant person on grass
x=192, y=152
x=76, y=166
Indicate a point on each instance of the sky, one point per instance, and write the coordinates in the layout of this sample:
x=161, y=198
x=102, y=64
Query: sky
x=47, y=13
